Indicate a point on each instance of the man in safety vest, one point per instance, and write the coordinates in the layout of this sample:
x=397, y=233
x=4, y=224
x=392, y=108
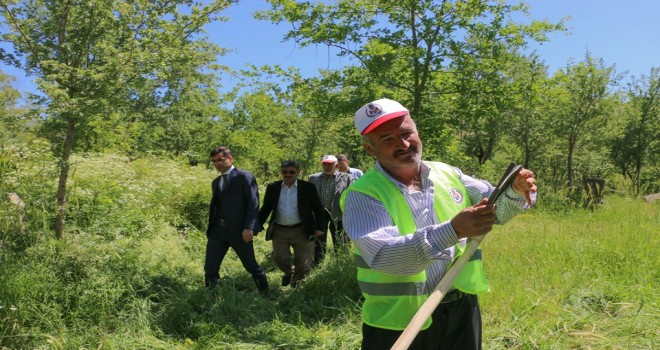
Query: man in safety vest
x=408, y=220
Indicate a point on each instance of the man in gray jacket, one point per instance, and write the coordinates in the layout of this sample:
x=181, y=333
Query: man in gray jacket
x=330, y=183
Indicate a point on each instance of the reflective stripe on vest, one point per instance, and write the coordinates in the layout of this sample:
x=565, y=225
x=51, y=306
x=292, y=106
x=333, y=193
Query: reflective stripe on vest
x=392, y=300
x=395, y=288
x=359, y=261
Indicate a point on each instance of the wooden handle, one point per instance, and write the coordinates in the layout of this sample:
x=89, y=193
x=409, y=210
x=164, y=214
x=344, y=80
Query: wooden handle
x=406, y=338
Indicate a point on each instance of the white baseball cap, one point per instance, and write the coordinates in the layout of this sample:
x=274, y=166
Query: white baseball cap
x=375, y=113
x=328, y=158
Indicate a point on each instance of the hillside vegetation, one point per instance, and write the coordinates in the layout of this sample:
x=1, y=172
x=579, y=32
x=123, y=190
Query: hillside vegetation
x=129, y=275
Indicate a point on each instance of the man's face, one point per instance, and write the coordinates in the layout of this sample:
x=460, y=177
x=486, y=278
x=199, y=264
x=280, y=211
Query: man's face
x=342, y=165
x=221, y=162
x=289, y=175
x=329, y=168
x=396, y=144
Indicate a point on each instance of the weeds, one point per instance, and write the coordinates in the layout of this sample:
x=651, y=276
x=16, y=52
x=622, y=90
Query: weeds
x=129, y=273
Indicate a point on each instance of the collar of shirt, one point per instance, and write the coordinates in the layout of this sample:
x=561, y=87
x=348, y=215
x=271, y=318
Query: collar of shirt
x=423, y=174
x=231, y=168
x=295, y=184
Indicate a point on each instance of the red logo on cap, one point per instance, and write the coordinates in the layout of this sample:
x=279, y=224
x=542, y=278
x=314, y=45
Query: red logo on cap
x=373, y=109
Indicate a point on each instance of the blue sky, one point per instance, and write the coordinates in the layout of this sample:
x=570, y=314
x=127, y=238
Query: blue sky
x=624, y=33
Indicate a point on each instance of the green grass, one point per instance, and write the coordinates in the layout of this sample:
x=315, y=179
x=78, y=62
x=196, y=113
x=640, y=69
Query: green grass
x=583, y=280
x=129, y=274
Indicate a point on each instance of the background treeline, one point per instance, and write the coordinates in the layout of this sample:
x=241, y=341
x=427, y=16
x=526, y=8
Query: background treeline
x=139, y=78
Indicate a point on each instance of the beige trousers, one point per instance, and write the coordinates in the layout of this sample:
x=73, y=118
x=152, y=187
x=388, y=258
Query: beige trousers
x=284, y=239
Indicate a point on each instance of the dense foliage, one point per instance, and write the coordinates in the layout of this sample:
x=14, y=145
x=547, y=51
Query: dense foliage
x=148, y=86
x=129, y=275
x=118, y=65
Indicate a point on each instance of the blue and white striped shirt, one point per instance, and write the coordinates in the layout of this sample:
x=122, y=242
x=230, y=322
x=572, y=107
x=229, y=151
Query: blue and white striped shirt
x=430, y=248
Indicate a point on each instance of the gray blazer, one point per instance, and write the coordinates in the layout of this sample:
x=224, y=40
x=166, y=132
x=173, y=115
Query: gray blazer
x=342, y=181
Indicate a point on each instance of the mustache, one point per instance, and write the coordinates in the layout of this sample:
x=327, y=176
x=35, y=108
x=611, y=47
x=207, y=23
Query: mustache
x=411, y=149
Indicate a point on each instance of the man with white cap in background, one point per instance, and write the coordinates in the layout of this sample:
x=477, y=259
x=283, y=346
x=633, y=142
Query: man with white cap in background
x=330, y=183
x=408, y=220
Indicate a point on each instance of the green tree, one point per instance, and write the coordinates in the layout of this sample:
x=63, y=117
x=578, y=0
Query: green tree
x=479, y=109
x=327, y=107
x=8, y=98
x=581, y=104
x=264, y=121
x=8, y=94
x=318, y=111
x=639, y=144
x=99, y=57
x=262, y=131
x=528, y=124
x=183, y=121
x=408, y=47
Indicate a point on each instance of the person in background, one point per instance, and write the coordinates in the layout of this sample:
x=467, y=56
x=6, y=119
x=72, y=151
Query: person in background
x=296, y=219
x=343, y=165
x=233, y=214
x=408, y=220
x=330, y=184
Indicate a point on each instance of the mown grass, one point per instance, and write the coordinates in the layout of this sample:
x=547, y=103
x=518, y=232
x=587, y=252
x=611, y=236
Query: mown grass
x=129, y=274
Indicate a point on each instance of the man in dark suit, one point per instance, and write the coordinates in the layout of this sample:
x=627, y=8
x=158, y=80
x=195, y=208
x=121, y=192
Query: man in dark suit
x=297, y=219
x=233, y=221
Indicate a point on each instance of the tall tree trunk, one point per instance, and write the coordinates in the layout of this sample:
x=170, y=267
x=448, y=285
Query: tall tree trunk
x=639, y=154
x=569, y=163
x=310, y=145
x=64, y=175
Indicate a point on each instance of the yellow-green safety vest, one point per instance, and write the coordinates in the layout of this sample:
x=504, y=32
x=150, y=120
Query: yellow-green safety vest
x=391, y=301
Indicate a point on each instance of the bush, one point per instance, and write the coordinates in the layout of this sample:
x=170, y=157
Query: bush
x=111, y=194
x=27, y=170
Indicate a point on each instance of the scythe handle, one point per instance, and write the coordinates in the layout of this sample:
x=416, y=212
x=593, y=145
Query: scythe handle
x=406, y=338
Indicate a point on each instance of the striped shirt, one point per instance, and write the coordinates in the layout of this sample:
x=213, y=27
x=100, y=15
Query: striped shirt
x=430, y=247
x=356, y=173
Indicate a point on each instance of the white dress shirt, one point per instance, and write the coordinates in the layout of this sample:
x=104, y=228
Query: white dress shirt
x=221, y=183
x=287, y=206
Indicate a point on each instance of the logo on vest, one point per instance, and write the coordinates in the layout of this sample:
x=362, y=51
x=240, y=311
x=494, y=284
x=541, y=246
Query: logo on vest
x=456, y=195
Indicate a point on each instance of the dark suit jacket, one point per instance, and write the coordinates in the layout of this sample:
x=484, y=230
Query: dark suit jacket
x=237, y=204
x=310, y=209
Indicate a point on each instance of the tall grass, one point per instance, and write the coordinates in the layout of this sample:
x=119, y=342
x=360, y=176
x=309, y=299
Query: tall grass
x=578, y=280
x=129, y=274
